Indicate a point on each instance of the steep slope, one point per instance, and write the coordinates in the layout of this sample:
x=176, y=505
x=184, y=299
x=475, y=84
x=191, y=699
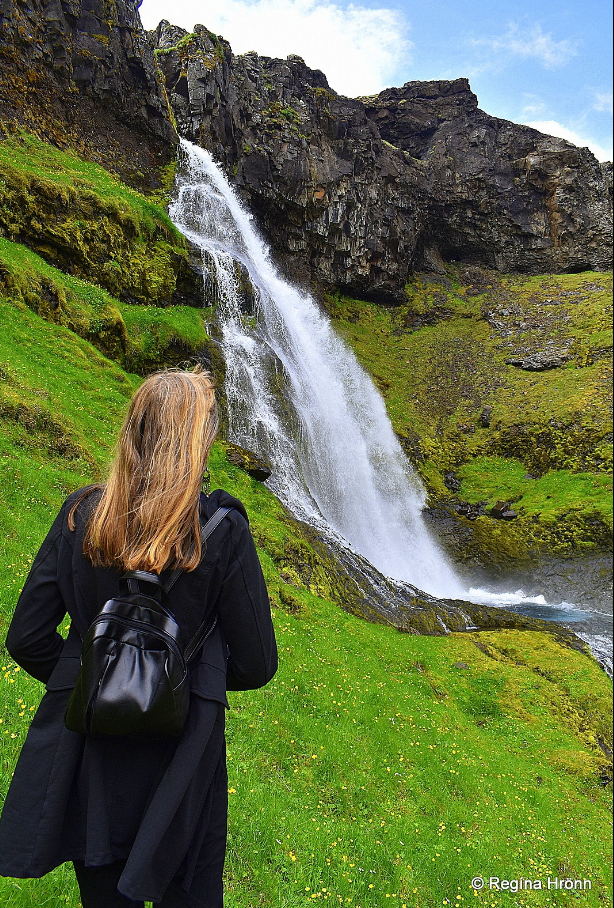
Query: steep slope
x=82, y=219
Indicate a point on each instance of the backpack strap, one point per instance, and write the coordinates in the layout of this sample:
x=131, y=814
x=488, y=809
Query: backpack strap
x=144, y=576
x=208, y=528
x=203, y=631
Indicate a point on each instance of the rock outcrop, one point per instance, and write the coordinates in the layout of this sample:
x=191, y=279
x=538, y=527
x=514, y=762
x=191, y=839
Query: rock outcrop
x=500, y=194
x=357, y=193
x=81, y=73
x=336, y=202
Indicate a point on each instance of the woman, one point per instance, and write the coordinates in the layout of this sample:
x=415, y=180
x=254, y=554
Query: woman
x=141, y=819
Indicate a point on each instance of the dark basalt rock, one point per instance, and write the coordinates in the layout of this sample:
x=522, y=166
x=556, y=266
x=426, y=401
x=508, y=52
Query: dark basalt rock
x=336, y=202
x=485, y=417
x=357, y=193
x=538, y=362
x=500, y=194
x=502, y=510
x=81, y=73
x=451, y=481
x=471, y=511
x=352, y=193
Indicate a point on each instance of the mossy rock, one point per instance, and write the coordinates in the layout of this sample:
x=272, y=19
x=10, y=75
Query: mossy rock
x=82, y=219
x=140, y=338
x=248, y=461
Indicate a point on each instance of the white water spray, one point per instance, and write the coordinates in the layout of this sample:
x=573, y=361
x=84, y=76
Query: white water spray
x=298, y=397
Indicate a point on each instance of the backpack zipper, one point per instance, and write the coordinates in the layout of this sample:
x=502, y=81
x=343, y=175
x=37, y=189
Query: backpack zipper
x=134, y=622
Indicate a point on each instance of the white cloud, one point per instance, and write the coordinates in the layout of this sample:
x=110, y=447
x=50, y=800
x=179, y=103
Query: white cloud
x=533, y=106
x=529, y=43
x=553, y=128
x=603, y=101
x=359, y=49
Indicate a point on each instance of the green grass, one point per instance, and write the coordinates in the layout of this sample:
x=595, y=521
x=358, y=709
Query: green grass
x=163, y=336
x=375, y=769
x=547, y=496
x=39, y=162
x=440, y=359
x=372, y=771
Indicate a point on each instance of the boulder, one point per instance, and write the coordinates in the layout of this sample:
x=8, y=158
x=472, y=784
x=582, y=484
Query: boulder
x=471, y=511
x=502, y=510
x=451, y=481
x=540, y=361
x=485, y=417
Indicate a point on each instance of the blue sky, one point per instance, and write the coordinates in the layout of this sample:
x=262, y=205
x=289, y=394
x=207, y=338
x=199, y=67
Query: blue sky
x=547, y=64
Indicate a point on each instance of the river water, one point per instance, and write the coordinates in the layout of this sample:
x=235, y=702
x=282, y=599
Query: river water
x=298, y=397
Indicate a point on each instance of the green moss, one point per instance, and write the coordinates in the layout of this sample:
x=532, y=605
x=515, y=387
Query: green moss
x=440, y=359
x=162, y=196
x=551, y=496
x=189, y=44
x=141, y=338
x=279, y=116
x=290, y=114
x=81, y=218
x=166, y=337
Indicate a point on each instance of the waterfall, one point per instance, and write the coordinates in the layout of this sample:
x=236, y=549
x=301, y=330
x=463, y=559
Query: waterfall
x=298, y=397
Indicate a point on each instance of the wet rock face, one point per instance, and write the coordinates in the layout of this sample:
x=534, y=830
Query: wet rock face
x=357, y=193
x=82, y=72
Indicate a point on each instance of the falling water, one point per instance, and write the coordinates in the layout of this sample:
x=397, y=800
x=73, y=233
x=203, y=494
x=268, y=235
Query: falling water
x=298, y=397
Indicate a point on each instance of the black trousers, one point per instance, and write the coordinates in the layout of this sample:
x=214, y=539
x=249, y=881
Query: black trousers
x=98, y=888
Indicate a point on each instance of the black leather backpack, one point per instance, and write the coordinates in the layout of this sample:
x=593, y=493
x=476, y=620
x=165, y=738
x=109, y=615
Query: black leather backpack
x=133, y=678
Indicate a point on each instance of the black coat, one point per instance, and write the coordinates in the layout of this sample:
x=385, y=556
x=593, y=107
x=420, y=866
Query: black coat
x=104, y=799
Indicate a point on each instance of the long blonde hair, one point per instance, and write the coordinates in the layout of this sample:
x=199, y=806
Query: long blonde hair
x=147, y=517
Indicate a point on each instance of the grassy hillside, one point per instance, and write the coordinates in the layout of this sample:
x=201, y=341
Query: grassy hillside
x=141, y=338
x=456, y=365
x=78, y=216
x=377, y=768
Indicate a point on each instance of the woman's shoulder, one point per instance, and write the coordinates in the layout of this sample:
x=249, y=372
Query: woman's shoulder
x=220, y=498
x=80, y=503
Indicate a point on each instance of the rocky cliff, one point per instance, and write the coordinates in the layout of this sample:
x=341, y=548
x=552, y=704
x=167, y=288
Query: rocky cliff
x=80, y=73
x=500, y=194
x=357, y=193
x=352, y=193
